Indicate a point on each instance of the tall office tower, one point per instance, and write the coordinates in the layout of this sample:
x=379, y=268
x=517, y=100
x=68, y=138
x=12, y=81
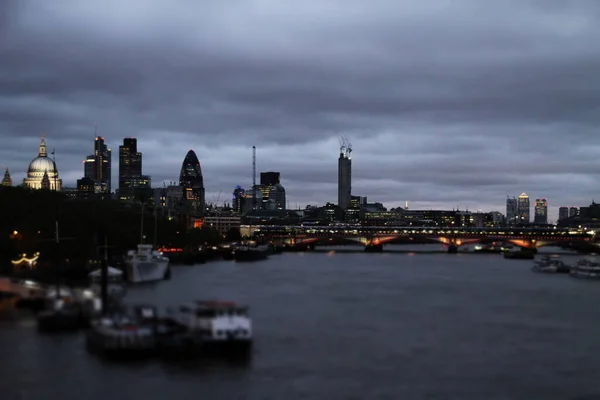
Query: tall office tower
x=130, y=160
x=101, y=170
x=573, y=212
x=563, y=213
x=344, y=174
x=133, y=186
x=523, y=207
x=511, y=210
x=239, y=197
x=88, y=167
x=273, y=194
x=269, y=178
x=192, y=181
x=540, y=215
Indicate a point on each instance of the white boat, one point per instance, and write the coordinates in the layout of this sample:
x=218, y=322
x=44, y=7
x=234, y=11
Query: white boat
x=146, y=265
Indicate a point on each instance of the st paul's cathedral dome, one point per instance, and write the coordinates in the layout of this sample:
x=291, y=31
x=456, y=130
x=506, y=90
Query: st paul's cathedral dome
x=42, y=172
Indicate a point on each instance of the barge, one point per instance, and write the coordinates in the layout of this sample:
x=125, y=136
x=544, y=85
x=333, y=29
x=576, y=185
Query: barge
x=202, y=328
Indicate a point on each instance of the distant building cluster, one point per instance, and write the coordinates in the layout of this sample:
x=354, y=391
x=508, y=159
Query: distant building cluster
x=518, y=210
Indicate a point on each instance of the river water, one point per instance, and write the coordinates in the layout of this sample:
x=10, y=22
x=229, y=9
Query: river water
x=349, y=326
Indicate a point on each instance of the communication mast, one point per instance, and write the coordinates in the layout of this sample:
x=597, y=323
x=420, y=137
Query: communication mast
x=254, y=177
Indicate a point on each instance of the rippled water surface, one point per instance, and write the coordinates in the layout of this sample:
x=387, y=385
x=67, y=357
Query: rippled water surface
x=350, y=326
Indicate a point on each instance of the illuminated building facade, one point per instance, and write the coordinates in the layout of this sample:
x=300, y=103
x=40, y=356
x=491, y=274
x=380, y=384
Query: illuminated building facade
x=273, y=194
x=523, y=209
x=42, y=172
x=86, y=188
x=88, y=167
x=540, y=215
x=192, y=182
x=7, y=180
x=101, y=170
x=511, y=211
x=133, y=186
x=239, y=197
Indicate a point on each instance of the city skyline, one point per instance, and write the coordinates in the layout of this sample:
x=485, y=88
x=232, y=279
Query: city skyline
x=526, y=213
x=479, y=110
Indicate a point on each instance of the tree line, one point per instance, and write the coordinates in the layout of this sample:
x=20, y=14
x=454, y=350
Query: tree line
x=28, y=222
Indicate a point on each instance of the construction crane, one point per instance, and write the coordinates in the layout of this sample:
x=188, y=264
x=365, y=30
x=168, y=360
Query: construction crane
x=254, y=177
x=216, y=199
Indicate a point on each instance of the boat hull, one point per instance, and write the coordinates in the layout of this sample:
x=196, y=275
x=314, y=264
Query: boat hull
x=56, y=321
x=166, y=345
x=250, y=253
x=149, y=271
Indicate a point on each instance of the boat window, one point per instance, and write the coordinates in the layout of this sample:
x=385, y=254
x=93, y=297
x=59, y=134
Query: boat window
x=147, y=313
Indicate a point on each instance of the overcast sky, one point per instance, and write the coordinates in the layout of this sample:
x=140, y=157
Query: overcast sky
x=447, y=103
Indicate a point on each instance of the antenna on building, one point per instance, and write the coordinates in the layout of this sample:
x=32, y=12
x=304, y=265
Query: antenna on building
x=254, y=177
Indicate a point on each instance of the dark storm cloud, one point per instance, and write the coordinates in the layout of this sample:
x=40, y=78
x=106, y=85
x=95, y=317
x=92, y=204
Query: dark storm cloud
x=446, y=103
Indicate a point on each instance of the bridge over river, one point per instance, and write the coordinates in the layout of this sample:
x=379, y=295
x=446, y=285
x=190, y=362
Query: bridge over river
x=374, y=237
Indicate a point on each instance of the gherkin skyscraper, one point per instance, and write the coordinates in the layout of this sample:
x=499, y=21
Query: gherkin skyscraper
x=190, y=178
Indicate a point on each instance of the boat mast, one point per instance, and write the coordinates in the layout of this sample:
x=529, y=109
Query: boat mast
x=155, y=227
x=56, y=229
x=142, y=226
x=57, y=255
x=104, y=278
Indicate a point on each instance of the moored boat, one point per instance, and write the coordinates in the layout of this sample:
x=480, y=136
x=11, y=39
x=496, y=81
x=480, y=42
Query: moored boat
x=224, y=327
x=69, y=310
x=488, y=248
x=589, y=269
x=115, y=284
x=550, y=265
x=202, y=328
x=250, y=253
x=146, y=265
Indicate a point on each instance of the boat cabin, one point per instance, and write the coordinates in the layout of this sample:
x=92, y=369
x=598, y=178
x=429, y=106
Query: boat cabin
x=220, y=320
